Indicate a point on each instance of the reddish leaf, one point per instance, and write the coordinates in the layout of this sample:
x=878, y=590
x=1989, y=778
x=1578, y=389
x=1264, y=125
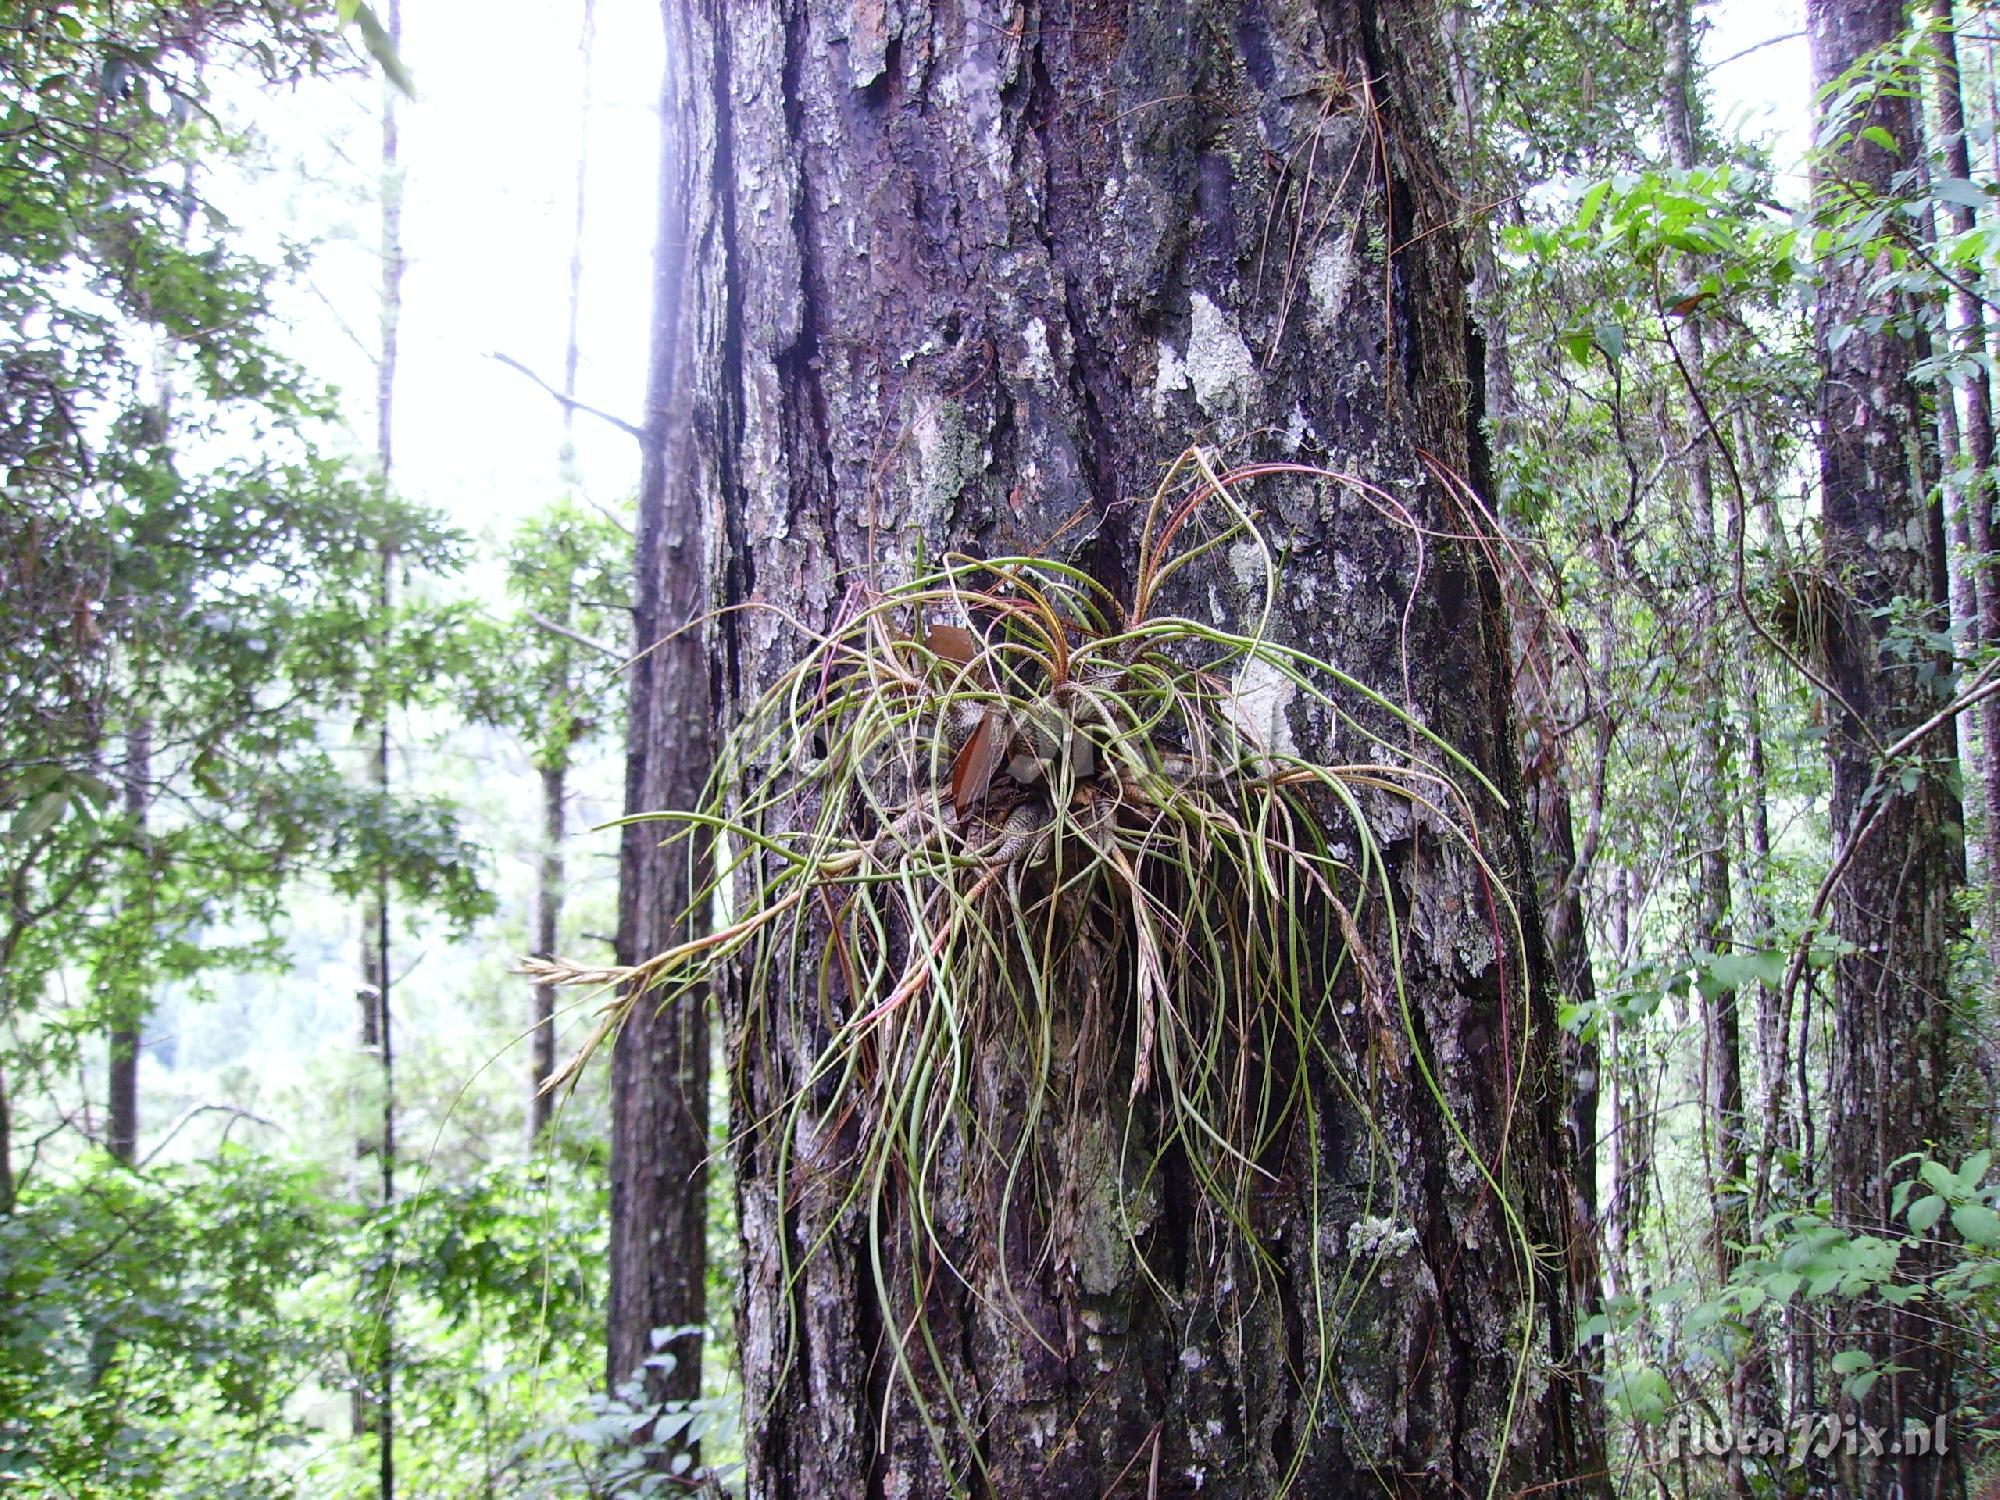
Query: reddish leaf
x=952, y=643
x=973, y=771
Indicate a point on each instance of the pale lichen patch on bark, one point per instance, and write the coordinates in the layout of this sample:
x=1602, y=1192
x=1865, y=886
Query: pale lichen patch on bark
x=1039, y=363
x=1217, y=368
x=1246, y=561
x=1374, y=1411
x=1374, y=1238
x=1169, y=375
x=1112, y=1215
x=1297, y=431
x=950, y=459
x=1260, y=703
x=1220, y=369
x=1327, y=278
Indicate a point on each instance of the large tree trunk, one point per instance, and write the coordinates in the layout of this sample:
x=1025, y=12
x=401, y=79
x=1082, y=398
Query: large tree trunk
x=659, y=1070
x=967, y=274
x=1895, y=1059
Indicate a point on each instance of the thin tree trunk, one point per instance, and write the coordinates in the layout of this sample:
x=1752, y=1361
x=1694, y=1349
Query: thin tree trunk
x=1562, y=871
x=1968, y=453
x=1721, y=1051
x=660, y=1066
x=6, y=1147
x=1895, y=1060
x=970, y=277
x=127, y=996
x=1724, y=1154
x=1632, y=1118
x=572, y=345
x=378, y=1029
x=1968, y=321
x=1773, y=1042
x=1962, y=591
x=122, y=1071
x=1770, y=1402
x=548, y=921
x=555, y=775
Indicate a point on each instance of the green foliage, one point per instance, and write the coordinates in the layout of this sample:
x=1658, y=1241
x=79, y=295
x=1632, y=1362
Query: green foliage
x=380, y=44
x=192, y=587
x=1562, y=89
x=498, y=1284
x=569, y=575
x=180, y=561
x=1661, y=391
x=180, y=1331
x=240, y=796
x=1668, y=1346
x=101, y=105
x=192, y=600
x=151, y=1339
x=630, y=1445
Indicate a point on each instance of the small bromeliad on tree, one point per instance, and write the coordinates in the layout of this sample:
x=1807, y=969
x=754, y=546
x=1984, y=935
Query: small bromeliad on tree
x=997, y=803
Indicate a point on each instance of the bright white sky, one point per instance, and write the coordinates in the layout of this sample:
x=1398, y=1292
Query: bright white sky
x=1761, y=90
x=492, y=144
x=489, y=149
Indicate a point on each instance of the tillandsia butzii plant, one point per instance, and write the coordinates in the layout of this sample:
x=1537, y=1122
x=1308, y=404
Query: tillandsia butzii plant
x=997, y=800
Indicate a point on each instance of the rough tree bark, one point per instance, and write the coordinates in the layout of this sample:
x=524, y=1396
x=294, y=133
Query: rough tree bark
x=1894, y=1055
x=659, y=1070
x=964, y=274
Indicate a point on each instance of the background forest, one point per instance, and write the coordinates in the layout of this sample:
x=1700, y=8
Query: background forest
x=323, y=398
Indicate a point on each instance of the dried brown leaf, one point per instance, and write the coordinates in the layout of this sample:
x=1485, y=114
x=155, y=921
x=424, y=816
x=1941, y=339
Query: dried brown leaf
x=977, y=760
x=952, y=642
